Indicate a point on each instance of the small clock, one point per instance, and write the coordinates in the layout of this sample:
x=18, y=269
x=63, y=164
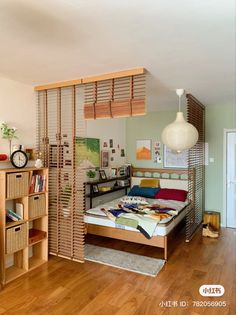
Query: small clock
x=19, y=159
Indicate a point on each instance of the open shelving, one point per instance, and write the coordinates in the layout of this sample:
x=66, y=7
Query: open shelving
x=20, y=249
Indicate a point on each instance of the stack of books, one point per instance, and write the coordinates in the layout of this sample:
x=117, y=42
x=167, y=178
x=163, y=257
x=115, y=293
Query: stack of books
x=38, y=184
x=13, y=216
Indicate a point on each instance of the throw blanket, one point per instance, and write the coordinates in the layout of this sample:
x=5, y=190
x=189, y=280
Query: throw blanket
x=143, y=218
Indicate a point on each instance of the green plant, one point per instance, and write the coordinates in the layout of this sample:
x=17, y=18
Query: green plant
x=8, y=132
x=91, y=174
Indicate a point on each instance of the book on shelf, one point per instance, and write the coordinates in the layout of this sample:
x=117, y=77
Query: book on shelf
x=13, y=216
x=20, y=209
x=38, y=184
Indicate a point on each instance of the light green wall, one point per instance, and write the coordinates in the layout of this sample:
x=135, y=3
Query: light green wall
x=217, y=118
x=149, y=126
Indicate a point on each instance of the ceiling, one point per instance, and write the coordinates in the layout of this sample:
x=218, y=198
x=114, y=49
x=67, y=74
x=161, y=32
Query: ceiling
x=183, y=44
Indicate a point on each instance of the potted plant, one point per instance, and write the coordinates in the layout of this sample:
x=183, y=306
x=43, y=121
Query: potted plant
x=8, y=133
x=91, y=174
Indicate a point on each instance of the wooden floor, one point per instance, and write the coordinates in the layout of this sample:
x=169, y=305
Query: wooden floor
x=65, y=287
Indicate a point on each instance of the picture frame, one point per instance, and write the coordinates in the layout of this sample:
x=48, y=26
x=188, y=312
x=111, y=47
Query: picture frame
x=174, y=160
x=143, y=149
x=95, y=189
x=114, y=172
x=104, y=159
x=102, y=175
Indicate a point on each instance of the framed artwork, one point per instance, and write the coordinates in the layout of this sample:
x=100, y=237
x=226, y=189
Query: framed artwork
x=113, y=172
x=102, y=174
x=104, y=159
x=175, y=160
x=87, y=152
x=53, y=156
x=143, y=150
x=95, y=189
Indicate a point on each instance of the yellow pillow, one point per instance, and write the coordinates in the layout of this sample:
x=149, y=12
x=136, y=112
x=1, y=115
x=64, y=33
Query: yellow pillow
x=150, y=182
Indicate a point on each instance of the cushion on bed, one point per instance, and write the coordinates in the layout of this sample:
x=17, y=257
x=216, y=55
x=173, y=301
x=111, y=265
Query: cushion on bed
x=147, y=192
x=171, y=194
x=150, y=182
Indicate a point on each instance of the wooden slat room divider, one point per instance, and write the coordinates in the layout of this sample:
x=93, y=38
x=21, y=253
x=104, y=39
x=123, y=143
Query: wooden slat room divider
x=60, y=121
x=196, y=164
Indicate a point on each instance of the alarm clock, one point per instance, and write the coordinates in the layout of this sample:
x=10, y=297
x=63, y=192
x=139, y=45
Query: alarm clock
x=19, y=159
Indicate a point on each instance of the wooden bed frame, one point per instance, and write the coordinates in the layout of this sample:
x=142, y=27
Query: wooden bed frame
x=137, y=237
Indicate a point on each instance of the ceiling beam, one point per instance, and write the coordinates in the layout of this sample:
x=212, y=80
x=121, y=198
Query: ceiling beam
x=102, y=77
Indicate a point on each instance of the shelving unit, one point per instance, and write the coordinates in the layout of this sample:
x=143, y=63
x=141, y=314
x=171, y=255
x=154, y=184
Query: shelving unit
x=20, y=249
x=91, y=195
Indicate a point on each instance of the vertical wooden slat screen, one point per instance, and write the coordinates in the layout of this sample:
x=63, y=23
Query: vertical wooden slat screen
x=118, y=97
x=59, y=115
x=196, y=161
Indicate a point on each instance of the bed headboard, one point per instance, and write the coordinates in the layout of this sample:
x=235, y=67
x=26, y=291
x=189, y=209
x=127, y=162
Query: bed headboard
x=169, y=178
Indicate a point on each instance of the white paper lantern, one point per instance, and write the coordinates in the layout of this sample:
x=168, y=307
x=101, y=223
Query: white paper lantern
x=179, y=135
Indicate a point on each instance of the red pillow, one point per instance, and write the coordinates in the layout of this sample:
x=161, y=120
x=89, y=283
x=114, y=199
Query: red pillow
x=171, y=194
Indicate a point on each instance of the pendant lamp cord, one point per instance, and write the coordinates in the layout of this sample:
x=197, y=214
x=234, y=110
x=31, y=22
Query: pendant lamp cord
x=179, y=103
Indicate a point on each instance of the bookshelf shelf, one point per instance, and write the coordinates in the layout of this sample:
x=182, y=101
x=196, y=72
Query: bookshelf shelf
x=38, y=193
x=20, y=251
x=35, y=262
x=14, y=223
x=13, y=272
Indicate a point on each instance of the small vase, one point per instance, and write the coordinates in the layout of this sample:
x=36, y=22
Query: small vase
x=9, y=148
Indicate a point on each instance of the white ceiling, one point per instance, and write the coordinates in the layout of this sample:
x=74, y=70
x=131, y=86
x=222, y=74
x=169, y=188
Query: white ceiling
x=183, y=44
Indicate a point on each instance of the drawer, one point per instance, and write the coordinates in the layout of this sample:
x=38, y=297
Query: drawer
x=17, y=185
x=16, y=238
x=37, y=206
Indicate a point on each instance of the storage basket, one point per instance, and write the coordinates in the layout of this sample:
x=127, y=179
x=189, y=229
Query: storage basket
x=37, y=206
x=16, y=238
x=17, y=185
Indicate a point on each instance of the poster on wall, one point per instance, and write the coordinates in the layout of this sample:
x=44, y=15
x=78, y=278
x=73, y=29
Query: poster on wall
x=175, y=160
x=143, y=150
x=157, y=152
x=104, y=159
x=87, y=152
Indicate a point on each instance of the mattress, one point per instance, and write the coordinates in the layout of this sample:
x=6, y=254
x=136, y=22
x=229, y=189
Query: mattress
x=96, y=216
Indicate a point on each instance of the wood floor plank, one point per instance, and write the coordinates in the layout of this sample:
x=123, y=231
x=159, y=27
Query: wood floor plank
x=62, y=287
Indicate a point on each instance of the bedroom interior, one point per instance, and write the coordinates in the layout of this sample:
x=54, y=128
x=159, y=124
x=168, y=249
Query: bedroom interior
x=117, y=195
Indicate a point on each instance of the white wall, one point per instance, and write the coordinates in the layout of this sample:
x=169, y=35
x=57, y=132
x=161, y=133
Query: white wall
x=17, y=108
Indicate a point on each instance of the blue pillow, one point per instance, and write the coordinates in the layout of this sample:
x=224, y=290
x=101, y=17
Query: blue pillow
x=147, y=192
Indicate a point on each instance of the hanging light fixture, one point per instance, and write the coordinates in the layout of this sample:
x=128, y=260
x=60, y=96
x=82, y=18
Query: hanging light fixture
x=179, y=135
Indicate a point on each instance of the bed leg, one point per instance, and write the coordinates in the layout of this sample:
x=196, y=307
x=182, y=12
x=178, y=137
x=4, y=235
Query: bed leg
x=165, y=248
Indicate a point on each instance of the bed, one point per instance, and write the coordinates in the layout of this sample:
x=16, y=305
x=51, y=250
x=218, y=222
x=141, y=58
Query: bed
x=97, y=223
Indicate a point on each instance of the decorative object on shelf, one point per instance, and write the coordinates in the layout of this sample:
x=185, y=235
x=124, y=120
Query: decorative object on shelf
x=95, y=189
x=179, y=135
x=143, y=150
x=91, y=174
x=104, y=188
x=38, y=163
x=104, y=159
x=8, y=133
x=175, y=160
x=88, y=152
x=111, y=143
x=29, y=153
x=113, y=172
x=3, y=157
x=102, y=175
x=19, y=159
x=122, y=152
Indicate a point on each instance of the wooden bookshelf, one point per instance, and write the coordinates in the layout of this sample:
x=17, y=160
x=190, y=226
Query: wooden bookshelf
x=15, y=262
